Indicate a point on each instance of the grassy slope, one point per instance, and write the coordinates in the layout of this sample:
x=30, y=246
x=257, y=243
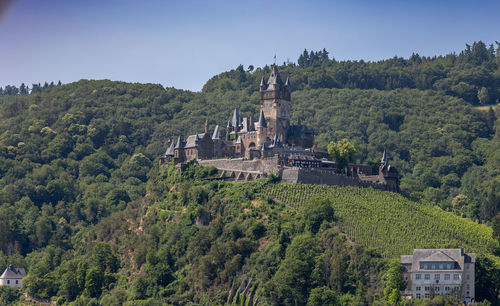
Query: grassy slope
x=388, y=222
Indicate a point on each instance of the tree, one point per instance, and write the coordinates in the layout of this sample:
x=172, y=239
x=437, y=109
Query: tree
x=94, y=281
x=317, y=210
x=342, y=153
x=496, y=226
x=483, y=96
x=394, y=283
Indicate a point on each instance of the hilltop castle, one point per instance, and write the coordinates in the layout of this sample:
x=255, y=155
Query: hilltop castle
x=249, y=149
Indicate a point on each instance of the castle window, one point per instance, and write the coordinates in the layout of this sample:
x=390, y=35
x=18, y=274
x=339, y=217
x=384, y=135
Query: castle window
x=427, y=276
x=418, y=276
x=456, y=277
x=17, y=282
x=8, y=282
x=437, y=276
x=417, y=288
x=467, y=277
x=447, y=277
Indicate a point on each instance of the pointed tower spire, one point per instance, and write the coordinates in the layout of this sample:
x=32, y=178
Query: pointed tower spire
x=178, y=145
x=384, y=158
x=262, y=120
x=216, y=134
x=236, y=121
x=170, y=150
x=274, y=78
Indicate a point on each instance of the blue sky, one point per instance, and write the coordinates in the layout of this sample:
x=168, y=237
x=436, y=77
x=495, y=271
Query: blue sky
x=184, y=43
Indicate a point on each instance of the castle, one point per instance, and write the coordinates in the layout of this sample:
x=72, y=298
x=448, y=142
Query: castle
x=249, y=149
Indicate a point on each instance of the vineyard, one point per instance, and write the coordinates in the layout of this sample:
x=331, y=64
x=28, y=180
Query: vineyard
x=388, y=222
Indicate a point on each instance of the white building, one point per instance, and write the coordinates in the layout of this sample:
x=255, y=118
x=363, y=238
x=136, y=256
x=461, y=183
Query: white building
x=12, y=277
x=439, y=272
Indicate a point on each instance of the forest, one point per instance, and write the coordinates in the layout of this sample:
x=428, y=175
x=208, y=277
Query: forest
x=85, y=209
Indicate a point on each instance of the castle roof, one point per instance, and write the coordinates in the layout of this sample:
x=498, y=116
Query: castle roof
x=384, y=158
x=236, y=121
x=179, y=143
x=299, y=131
x=13, y=273
x=170, y=150
x=262, y=119
x=274, y=78
x=193, y=140
x=216, y=134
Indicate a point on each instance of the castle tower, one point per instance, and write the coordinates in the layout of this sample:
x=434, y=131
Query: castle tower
x=275, y=103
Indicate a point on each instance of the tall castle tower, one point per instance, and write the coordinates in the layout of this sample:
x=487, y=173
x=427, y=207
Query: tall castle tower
x=275, y=104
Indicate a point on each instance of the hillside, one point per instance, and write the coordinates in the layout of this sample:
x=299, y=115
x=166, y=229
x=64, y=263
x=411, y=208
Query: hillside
x=390, y=223
x=85, y=209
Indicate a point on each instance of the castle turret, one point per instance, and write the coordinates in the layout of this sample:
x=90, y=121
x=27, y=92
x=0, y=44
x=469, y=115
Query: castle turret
x=236, y=120
x=206, y=126
x=275, y=103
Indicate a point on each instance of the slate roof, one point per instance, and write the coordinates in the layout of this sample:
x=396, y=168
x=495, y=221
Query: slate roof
x=297, y=131
x=438, y=255
x=170, y=150
x=13, y=273
x=274, y=80
x=262, y=120
x=193, y=140
x=216, y=134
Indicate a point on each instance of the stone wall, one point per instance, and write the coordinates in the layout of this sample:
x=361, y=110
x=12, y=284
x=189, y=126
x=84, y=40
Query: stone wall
x=325, y=177
x=266, y=165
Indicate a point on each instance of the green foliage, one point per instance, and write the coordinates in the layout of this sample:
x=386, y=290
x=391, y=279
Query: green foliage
x=84, y=209
x=380, y=220
x=342, y=152
x=315, y=212
x=8, y=295
x=394, y=283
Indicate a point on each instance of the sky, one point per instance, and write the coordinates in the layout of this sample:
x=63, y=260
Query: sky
x=184, y=43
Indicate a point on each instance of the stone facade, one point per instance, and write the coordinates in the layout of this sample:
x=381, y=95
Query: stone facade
x=273, y=145
x=439, y=272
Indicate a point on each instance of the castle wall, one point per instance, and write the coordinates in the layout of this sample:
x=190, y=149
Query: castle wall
x=325, y=177
x=266, y=165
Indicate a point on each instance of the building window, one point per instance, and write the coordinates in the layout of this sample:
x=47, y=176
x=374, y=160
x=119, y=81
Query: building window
x=427, y=295
x=467, y=277
x=427, y=288
x=417, y=288
x=447, y=277
x=418, y=296
x=8, y=282
x=406, y=277
x=456, y=277
x=418, y=276
x=446, y=288
x=437, y=276
x=467, y=287
x=427, y=276
x=436, y=289
x=17, y=282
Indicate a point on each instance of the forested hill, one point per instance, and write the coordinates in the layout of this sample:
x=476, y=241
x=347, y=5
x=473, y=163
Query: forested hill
x=76, y=161
x=472, y=75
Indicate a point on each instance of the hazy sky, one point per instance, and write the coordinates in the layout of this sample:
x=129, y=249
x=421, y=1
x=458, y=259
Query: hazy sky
x=184, y=43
